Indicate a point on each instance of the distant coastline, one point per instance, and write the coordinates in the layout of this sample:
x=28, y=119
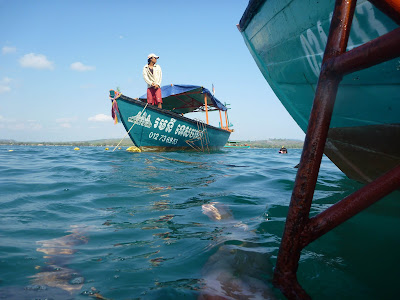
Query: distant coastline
x=268, y=143
x=273, y=143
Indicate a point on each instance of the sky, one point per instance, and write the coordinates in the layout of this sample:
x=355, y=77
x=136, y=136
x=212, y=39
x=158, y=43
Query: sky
x=59, y=59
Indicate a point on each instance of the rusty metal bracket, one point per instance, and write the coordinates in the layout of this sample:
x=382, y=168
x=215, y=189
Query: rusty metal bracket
x=300, y=230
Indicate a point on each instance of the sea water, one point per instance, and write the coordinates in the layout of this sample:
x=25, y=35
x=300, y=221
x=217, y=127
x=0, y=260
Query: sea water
x=121, y=225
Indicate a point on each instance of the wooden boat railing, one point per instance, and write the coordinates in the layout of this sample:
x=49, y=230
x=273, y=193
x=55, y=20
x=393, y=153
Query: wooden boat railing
x=300, y=229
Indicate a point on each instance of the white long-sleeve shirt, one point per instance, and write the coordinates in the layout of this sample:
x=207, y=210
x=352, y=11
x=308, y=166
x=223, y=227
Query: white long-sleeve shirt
x=154, y=77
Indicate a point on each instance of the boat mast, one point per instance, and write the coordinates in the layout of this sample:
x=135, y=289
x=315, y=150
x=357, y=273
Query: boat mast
x=206, y=107
x=220, y=117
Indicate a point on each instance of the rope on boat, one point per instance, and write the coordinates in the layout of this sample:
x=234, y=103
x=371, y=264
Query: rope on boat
x=203, y=138
x=130, y=128
x=206, y=137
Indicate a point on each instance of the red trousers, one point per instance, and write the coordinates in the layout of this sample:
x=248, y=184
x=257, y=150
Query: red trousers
x=154, y=95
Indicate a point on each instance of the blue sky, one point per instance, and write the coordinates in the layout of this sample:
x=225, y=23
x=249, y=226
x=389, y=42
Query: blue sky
x=58, y=60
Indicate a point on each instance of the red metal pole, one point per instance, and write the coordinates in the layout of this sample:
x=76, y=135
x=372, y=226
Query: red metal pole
x=379, y=50
x=351, y=205
x=391, y=8
x=299, y=229
x=291, y=245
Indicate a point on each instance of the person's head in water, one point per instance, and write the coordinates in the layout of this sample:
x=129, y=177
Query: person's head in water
x=283, y=150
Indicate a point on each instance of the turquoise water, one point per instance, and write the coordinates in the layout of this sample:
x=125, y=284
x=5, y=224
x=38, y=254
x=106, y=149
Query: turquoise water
x=146, y=226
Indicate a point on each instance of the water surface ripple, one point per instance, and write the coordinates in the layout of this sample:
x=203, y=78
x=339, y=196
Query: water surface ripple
x=75, y=224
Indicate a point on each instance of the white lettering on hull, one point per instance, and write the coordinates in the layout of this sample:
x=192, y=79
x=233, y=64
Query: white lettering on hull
x=167, y=126
x=314, y=43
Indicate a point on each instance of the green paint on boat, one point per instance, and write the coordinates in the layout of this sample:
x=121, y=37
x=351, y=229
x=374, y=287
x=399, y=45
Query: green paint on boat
x=287, y=39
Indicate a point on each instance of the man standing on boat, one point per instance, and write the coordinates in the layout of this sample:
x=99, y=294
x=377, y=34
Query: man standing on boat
x=152, y=74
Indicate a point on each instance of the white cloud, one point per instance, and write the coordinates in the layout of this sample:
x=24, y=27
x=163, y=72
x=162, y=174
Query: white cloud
x=5, y=85
x=100, y=118
x=14, y=124
x=36, y=61
x=66, y=122
x=7, y=50
x=7, y=120
x=78, y=66
x=6, y=80
x=4, y=89
x=66, y=125
x=34, y=125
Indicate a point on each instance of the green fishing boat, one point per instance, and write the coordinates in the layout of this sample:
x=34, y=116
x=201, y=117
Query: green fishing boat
x=287, y=39
x=154, y=129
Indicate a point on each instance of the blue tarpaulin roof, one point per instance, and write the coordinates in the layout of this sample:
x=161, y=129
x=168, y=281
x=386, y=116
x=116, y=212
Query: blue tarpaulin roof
x=182, y=98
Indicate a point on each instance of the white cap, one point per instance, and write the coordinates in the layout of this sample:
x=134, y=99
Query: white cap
x=152, y=55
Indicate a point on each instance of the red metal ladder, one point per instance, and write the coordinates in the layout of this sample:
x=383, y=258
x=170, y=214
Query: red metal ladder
x=300, y=229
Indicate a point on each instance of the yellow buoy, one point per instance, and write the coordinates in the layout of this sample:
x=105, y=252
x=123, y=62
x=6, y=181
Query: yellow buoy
x=133, y=149
x=76, y=148
x=10, y=150
x=106, y=149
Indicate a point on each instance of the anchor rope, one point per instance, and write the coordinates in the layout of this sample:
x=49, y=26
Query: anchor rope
x=130, y=128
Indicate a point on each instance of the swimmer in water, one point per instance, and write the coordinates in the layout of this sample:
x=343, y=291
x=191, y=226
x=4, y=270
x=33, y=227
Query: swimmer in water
x=283, y=150
x=58, y=252
x=235, y=271
x=55, y=280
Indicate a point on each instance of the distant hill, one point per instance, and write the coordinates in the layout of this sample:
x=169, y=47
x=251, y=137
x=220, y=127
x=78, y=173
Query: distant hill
x=274, y=143
x=270, y=143
x=7, y=142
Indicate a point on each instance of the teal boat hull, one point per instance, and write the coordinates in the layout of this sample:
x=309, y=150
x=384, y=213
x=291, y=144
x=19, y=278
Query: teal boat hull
x=287, y=39
x=154, y=129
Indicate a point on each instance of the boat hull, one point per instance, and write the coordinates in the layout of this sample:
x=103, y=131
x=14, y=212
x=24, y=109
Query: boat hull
x=154, y=129
x=287, y=40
